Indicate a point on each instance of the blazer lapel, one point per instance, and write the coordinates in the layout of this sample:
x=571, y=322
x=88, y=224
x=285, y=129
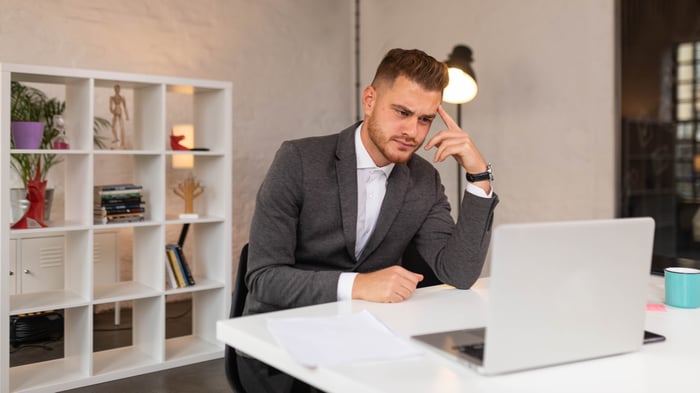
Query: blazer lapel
x=396, y=189
x=346, y=171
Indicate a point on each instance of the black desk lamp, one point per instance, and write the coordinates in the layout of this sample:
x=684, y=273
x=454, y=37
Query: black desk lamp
x=461, y=89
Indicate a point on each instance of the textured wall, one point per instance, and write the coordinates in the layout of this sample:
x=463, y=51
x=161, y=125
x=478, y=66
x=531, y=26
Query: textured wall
x=290, y=62
x=545, y=114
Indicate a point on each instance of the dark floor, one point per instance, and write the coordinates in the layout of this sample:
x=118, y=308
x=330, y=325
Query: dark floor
x=202, y=377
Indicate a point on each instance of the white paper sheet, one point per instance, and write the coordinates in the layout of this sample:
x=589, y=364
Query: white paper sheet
x=316, y=341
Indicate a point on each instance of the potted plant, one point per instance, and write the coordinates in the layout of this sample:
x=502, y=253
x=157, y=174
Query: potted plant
x=28, y=102
x=26, y=116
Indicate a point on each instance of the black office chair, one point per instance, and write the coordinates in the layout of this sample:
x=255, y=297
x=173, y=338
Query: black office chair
x=240, y=291
x=411, y=260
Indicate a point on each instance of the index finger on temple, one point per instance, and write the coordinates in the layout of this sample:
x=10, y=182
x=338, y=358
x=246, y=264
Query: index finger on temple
x=449, y=122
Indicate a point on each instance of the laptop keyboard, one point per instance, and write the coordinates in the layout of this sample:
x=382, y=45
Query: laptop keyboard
x=473, y=350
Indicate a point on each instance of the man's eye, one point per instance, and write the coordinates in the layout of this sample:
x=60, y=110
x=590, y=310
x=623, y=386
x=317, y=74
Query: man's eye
x=426, y=120
x=402, y=113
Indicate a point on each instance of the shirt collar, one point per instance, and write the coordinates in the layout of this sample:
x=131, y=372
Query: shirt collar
x=364, y=161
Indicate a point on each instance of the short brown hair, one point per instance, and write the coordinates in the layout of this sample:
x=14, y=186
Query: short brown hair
x=415, y=65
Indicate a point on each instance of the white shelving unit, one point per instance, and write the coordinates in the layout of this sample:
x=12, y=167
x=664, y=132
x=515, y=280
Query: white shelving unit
x=209, y=239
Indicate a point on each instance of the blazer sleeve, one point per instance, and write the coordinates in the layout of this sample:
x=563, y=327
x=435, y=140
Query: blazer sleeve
x=272, y=278
x=456, y=252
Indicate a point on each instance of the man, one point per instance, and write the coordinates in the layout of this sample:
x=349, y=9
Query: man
x=335, y=213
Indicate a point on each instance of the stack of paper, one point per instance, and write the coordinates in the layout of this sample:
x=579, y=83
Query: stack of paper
x=322, y=341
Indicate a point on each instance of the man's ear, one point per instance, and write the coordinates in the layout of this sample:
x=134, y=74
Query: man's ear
x=369, y=98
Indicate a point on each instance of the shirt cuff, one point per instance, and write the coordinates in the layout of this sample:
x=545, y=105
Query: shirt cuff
x=478, y=191
x=345, y=282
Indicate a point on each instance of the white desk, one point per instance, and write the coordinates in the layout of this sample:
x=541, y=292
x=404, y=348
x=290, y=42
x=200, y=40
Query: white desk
x=672, y=365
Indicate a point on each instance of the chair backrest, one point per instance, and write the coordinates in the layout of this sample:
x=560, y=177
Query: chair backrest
x=240, y=292
x=412, y=261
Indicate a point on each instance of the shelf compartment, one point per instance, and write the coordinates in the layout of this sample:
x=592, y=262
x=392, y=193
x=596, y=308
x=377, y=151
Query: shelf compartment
x=202, y=284
x=212, y=130
x=204, y=248
x=147, y=339
x=200, y=338
x=143, y=169
x=75, y=363
x=139, y=263
x=121, y=359
x=67, y=152
x=211, y=243
x=207, y=306
x=66, y=178
x=45, y=374
x=53, y=270
x=175, y=219
x=208, y=171
x=40, y=301
x=75, y=92
x=145, y=106
x=58, y=229
x=191, y=349
x=127, y=152
x=125, y=290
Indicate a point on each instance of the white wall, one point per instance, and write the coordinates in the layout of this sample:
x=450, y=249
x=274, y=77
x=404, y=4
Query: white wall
x=545, y=114
x=290, y=62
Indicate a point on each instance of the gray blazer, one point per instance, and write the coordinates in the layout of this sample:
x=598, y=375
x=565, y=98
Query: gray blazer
x=303, y=230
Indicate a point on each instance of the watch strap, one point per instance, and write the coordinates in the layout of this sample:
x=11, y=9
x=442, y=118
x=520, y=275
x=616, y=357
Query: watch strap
x=475, y=177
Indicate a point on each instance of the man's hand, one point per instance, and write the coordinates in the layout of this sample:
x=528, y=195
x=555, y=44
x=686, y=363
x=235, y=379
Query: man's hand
x=389, y=285
x=455, y=142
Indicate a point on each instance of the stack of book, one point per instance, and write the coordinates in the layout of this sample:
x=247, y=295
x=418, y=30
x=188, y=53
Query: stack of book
x=116, y=203
x=177, y=269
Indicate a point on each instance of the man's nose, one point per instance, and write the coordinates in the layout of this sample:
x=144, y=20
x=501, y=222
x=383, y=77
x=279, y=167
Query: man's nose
x=410, y=128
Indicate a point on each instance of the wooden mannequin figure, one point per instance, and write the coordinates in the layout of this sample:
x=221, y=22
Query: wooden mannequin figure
x=117, y=107
x=188, y=190
x=34, y=217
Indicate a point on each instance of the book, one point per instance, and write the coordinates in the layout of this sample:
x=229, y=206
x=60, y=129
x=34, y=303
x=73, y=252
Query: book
x=177, y=270
x=118, y=187
x=182, y=261
x=118, y=218
x=137, y=200
x=117, y=194
x=186, y=266
x=169, y=272
x=118, y=209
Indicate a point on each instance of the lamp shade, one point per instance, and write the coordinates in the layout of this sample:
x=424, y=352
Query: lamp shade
x=462, y=86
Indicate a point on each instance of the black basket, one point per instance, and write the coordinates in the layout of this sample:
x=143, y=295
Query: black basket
x=30, y=328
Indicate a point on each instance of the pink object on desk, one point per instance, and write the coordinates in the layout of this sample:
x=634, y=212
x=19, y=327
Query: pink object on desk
x=656, y=307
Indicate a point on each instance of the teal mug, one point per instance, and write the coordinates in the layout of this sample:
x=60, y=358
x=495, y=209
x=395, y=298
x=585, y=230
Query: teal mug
x=682, y=287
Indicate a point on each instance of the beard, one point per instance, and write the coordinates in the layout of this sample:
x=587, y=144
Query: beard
x=391, y=151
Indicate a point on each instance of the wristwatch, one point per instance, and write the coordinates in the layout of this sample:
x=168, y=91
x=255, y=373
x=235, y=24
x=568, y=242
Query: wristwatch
x=475, y=177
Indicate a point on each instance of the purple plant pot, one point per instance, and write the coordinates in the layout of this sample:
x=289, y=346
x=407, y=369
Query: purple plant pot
x=27, y=134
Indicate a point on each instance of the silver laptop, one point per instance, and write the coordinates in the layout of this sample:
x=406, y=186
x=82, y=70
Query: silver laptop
x=559, y=292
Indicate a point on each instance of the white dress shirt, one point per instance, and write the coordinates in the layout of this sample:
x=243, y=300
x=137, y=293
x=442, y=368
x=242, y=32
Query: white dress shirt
x=371, y=187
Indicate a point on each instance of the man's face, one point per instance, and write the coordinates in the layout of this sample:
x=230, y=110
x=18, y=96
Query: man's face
x=397, y=119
